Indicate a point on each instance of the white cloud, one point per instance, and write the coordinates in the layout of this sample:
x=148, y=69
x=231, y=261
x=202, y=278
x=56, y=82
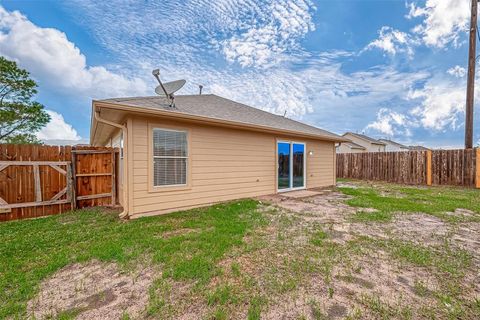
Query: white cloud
x=57, y=129
x=264, y=41
x=316, y=93
x=444, y=21
x=438, y=106
x=56, y=62
x=248, y=32
x=457, y=71
x=441, y=105
x=393, y=41
x=391, y=123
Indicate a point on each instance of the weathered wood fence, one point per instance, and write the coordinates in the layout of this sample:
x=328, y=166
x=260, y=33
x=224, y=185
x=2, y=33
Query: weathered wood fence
x=37, y=180
x=433, y=167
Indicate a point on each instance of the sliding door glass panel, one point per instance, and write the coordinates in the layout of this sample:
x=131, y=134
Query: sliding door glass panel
x=283, y=165
x=298, y=167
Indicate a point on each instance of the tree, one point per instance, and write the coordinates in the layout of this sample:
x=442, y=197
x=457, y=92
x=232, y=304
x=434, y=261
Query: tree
x=20, y=116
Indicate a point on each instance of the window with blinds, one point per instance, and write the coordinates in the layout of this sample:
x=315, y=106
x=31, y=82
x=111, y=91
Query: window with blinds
x=170, y=157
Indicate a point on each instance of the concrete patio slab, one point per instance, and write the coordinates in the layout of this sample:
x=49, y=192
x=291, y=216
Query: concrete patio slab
x=300, y=194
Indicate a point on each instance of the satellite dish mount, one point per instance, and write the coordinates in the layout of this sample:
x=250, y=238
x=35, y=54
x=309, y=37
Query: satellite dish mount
x=169, y=88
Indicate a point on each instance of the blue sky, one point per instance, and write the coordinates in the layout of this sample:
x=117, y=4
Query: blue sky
x=386, y=68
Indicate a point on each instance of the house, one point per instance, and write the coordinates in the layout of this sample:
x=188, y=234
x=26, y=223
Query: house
x=392, y=146
x=418, y=148
x=369, y=144
x=350, y=147
x=207, y=149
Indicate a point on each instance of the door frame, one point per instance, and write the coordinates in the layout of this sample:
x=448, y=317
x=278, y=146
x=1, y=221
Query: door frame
x=291, y=143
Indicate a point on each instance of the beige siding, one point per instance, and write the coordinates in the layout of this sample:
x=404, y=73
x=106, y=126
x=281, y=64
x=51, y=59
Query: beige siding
x=344, y=148
x=224, y=164
x=320, y=165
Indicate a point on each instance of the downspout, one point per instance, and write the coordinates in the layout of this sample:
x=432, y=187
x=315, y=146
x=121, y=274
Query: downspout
x=124, y=213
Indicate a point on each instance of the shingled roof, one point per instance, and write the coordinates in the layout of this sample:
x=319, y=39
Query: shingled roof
x=215, y=107
x=367, y=138
x=353, y=145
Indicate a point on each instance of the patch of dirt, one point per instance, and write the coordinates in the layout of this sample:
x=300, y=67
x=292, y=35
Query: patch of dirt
x=178, y=232
x=336, y=311
x=347, y=185
x=93, y=290
x=420, y=228
x=357, y=280
x=467, y=236
x=327, y=207
x=459, y=212
x=186, y=302
x=391, y=194
x=330, y=209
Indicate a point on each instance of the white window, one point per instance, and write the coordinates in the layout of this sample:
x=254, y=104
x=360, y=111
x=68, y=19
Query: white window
x=170, y=157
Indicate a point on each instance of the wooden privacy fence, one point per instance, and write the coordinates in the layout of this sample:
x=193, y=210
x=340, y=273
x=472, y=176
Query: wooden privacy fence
x=437, y=167
x=38, y=180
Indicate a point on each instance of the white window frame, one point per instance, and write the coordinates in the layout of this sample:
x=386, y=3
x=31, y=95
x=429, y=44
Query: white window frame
x=170, y=157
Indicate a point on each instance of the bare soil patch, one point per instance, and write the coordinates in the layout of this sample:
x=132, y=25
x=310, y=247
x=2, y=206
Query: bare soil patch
x=92, y=290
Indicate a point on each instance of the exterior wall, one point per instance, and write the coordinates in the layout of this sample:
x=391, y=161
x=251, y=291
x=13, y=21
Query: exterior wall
x=321, y=164
x=394, y=148
x=369, y=146
x=343, y=148
x=224, y=164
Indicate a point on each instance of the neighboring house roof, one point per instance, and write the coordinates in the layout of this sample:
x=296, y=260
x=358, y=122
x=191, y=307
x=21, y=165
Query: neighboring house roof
x=418, y=148
x=387, y=141
x=353, y=145
x=366, y=138
x=209, y=106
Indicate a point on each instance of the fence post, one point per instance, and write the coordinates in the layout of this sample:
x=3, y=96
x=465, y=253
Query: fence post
x=477, y=169
x=429, y=167
x=73, y=171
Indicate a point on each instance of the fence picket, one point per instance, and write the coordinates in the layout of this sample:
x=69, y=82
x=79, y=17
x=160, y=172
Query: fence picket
x=46, y=176
x=436, y=167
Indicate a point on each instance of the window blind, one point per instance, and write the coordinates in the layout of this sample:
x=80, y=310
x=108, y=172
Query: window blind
x=170, y=157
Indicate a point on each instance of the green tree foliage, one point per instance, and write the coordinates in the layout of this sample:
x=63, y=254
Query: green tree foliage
x=20, y=116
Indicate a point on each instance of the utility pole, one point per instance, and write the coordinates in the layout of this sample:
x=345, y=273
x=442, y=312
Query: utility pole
x=471, y=77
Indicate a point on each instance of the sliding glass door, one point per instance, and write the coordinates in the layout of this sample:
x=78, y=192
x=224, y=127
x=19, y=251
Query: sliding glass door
x=298, y=159
x=291, y=165
x=283, y=165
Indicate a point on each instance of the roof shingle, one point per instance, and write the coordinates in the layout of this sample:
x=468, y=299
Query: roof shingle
x=364, y=137
x=215, y=107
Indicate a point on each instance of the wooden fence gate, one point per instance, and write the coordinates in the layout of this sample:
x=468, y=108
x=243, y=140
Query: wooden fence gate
x=38, y=180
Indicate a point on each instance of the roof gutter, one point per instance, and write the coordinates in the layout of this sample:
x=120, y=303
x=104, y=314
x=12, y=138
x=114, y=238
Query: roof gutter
x=96, y=115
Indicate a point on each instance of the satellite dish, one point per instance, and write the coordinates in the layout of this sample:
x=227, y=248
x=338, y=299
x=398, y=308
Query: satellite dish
x=170, y=87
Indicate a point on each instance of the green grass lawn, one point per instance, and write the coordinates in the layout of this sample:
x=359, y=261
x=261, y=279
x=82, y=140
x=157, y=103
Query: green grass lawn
x=31, y=250
x=390, y=198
